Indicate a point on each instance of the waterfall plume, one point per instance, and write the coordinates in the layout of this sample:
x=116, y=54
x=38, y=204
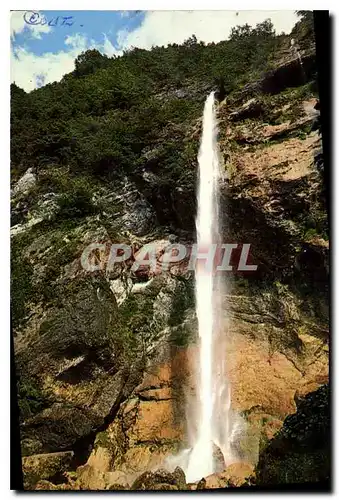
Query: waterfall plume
x=211, y=425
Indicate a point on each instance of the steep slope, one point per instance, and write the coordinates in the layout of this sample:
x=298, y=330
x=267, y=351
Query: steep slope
x=104, y=358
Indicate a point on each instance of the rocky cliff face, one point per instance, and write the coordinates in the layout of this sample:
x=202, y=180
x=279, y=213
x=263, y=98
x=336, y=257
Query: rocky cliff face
x=301, y=451
x=105, y=358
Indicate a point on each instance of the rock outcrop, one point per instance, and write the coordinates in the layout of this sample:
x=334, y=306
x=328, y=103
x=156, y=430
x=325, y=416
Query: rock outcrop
x=234, y=476
x=105, y=359
x=301, y=451
x=26, y=183
x=161, y=480
x=38, y=468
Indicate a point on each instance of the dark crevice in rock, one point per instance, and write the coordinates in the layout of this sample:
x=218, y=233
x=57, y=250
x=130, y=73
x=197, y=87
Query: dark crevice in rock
x=290, y=74
x=154, y=398
x=88, y=369
x=83, y=447
x=291, y=360
x=150, y=387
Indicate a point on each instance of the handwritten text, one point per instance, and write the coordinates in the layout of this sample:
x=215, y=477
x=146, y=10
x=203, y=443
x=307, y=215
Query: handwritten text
x=35, y=18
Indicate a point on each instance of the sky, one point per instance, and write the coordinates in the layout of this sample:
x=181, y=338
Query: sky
x=44, y=44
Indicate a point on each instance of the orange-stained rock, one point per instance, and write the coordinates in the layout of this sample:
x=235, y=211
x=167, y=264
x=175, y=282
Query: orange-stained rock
x=116, y=477
x=90, y=478
x=163, y=393
x=234, y=475
x=264, y=378
x=237, y=473
x=100, y=459
x=210, y=482
x=258, y=377
x=308, y=387
x=155, y=422
x=144, y=457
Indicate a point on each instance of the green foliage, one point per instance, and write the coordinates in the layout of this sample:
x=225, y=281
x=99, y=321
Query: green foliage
x=241, y=285
x=181, y=336
x=100, y=117
x=77, y=202
x=64, y=245
x=102, y=440
x=133, y=326
x=31, y=398
x=315, y=224
x=303, y=31
x=310, y=233
x=21, y=283
x=182, y=300
x=74, y=193
x=281, y=289
x=90, y=61
x=285, y=106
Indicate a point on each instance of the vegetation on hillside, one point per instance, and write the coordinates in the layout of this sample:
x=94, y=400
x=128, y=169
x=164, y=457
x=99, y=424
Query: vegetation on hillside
x=100, y=118
x=111, y=117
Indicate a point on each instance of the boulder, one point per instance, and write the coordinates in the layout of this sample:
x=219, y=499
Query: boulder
x=250, y=109
x=235, y=475
x=48, y=486
x=117, y=487
x=100, y=459
x=161, y=480
x=60, y=425
x=117, y=478
x=44, y=466
x=137, y=214
x=45, y=486
x=210, y=482
x=25, y=183
x=80, y=364
x=155, y=422
x=90, y=478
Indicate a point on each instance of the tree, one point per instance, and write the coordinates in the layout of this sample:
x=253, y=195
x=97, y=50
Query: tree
x=101, y=117
x=90, y=61
x=303, y=31
x=191, y=41
x=265, y=29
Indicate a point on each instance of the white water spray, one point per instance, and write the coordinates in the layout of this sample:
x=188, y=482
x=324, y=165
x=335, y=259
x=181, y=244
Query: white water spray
x=211, y=421
x=295, y=50
x=201, y=458
x=214, y=426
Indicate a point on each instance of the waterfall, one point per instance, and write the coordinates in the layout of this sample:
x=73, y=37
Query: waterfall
x=213, y=392
x=201, y=458
x=295, y=50
x=211, y=422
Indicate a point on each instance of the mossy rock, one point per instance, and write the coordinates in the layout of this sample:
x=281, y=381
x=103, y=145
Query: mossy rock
x=44, y=466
